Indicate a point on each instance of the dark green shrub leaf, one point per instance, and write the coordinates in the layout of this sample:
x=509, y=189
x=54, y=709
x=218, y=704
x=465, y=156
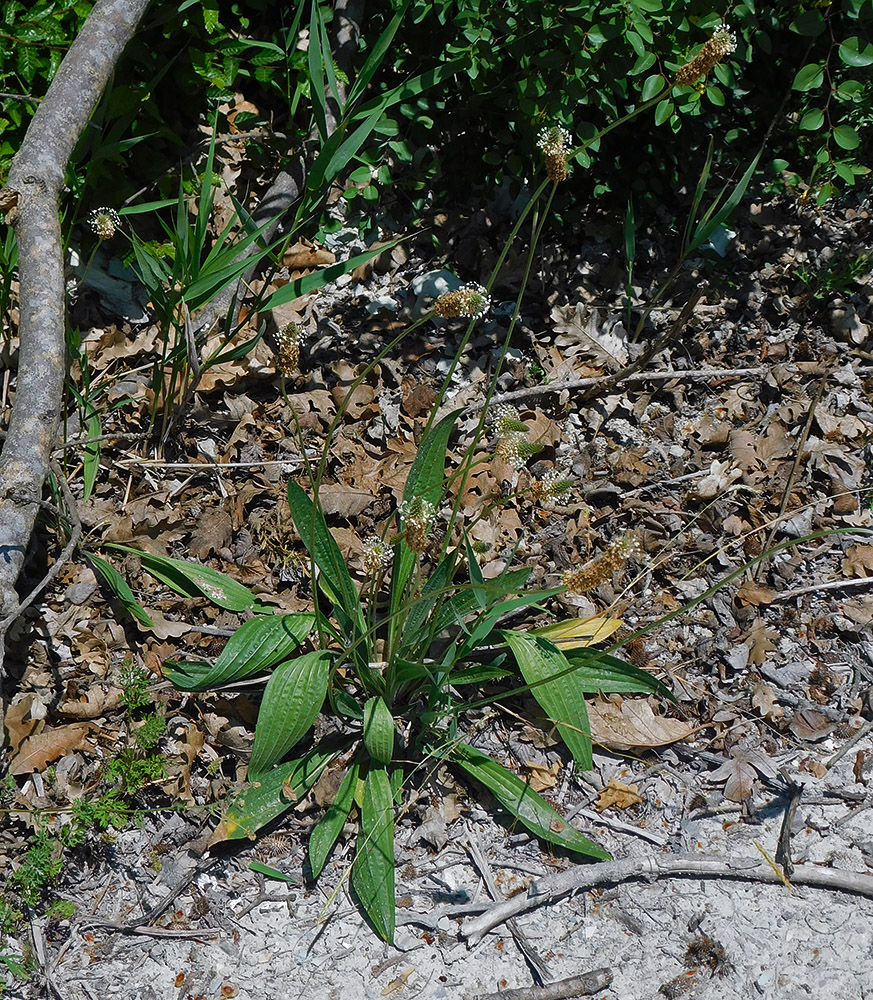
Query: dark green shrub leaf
x=809, y=77
x=846, y=137
x=855, y=53
x=812, y=120
x=809, y=23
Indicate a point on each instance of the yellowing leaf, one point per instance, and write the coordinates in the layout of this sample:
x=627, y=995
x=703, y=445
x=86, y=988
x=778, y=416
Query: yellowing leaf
x=573, y=633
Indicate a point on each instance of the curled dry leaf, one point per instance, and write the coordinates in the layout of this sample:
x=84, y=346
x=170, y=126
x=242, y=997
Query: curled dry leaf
x=23, y=718
x=617, y=795
x=627, y=723
x=542, y=777
x=37, y=752
x=96, y=702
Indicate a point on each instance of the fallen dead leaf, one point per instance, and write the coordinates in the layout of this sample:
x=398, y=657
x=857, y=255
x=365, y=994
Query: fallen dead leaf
x=858, y=562
x=617, y=795
x=96, y=702
x=631, y=723
x=752, y=592
x=740, y=772
x=23, y=718
x=37, y=752
x=542, y=777
x=764, y=700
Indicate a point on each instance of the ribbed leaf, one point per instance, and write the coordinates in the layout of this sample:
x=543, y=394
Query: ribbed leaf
x=321, y=546
x=190, y=579
x=256, y=645
x=118, y=585
x=329, y=827
x=379, y=730
x=292, y=700
x=595, y=671
x=263, y=800
x=373, y=870
x=522, y=801
x=563, y=701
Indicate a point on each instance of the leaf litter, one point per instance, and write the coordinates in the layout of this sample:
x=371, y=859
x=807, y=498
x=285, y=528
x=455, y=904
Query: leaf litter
x=702, y=468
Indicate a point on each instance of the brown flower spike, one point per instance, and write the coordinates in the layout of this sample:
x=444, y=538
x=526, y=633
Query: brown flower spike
x=471, y=300
x=607, y=564
x=289, y=349
x=554, y=141
x=721, y=45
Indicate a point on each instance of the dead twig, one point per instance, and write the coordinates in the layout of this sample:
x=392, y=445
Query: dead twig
x=537, y=965
x=606, y=381
x=792, y=478
x=575, y=986
x=554, y=887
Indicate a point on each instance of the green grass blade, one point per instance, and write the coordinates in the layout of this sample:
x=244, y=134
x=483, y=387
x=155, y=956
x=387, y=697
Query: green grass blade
x=376, y=56
x=315, y=59
x=292, y=700
x=413, y=87
x=257, y=645
x=329, y=827
x=311, y=282
x=91, y=455
x=373, y=869
x=193, y=580
x=261, y=801
x=425, y=480
x=561, y=698
x=518, y=798
x=709, y=225
x=119, y=586
x=274, y=873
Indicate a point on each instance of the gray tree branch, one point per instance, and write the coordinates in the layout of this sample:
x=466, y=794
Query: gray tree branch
x=32, y=191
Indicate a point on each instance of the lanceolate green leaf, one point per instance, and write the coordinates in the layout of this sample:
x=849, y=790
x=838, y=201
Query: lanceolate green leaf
x=321, y=546
x=119, y=586
x=379, y=730
x=301, y=286
x=523, y=802
x=262, y=800
x=256, y=645
x=328, y=828
x=190, y=579
x=594, y=671
x=425, y=480
x=292, y=700
x=561, y=698
x=373, y=869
